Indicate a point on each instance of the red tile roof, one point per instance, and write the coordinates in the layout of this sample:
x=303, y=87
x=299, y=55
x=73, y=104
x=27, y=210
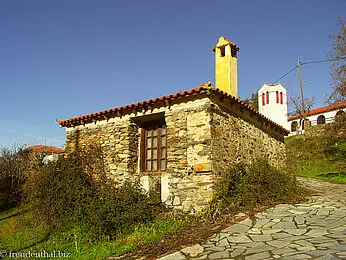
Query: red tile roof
x=320, y=110
x=159, y=102
x=45, y=149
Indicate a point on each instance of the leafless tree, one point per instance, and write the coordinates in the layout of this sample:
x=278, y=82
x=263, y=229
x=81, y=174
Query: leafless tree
x=295, y=106
x=338, y=67
x=13, y=169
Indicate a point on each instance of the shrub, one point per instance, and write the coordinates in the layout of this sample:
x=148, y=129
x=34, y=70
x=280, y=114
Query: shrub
x=116, y=210
x=336, y=131
x=13, y=172
x=246, y=186
x=65, y=193
x=338, y=150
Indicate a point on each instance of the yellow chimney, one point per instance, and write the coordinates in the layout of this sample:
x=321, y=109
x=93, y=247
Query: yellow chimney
x=226, y=72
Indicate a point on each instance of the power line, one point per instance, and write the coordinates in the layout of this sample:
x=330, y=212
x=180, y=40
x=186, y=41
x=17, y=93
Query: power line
x=287, y=73
x=319, y=61
x=308, y=62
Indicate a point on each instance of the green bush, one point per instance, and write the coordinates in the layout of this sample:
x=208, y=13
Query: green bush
x=63, y=194
x=247, y=186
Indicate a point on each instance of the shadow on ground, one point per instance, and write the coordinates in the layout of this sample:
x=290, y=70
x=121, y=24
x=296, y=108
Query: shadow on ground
x=333, y=175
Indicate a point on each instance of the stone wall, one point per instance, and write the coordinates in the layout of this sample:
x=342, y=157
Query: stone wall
x=236, y=139
x=119, y=143
x=187, y=183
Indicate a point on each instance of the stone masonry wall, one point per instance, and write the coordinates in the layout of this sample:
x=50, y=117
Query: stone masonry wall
x=236, y=140
x=187, y=183
x=118, y=141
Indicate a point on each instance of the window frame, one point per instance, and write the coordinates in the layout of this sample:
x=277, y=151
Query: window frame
x=150, y=127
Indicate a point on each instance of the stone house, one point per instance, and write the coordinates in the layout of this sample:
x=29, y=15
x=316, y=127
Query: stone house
x=184, y=140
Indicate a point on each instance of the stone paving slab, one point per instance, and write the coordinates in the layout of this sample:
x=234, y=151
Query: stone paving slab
x=314, y=230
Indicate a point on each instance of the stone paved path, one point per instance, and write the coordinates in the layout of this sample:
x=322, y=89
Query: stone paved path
x=315, y=230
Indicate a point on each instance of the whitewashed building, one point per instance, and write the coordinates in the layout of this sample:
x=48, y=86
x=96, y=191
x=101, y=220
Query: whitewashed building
x=318, y=116
x=272, y=103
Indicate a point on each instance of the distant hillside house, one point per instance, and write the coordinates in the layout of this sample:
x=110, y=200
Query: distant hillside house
x=183, y=140
x=318, y=116
x=43, y=150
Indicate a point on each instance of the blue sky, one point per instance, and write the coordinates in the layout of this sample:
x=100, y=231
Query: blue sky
x=63, y=58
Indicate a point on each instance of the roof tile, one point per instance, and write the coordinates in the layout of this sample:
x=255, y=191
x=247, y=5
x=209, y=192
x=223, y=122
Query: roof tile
x=201, y=88
x=320, y=110
x=45, y=149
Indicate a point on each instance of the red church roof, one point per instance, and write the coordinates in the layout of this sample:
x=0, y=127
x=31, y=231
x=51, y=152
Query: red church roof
x=320, y=110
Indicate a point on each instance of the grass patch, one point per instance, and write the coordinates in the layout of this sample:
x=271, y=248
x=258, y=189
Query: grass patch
x=317, y=158
x=323, y=169
x=17, y=233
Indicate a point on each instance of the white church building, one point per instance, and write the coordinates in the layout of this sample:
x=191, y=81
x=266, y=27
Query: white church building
x=272, y=103
x=317, y=116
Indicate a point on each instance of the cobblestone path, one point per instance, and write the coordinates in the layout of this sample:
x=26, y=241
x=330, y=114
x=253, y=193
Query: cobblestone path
x=314, y=230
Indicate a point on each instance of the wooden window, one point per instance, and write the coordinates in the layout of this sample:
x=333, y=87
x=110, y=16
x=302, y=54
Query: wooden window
x=294, y=126
x=154, y=147
x=267, y=97
x=277, y=97
x=281, y=98
x=321, y=120
x=263, y=100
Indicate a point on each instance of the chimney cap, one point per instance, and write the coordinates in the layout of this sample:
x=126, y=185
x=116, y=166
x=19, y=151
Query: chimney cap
x=223, y=41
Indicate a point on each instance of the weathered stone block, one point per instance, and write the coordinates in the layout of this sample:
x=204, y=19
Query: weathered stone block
x=202, y=167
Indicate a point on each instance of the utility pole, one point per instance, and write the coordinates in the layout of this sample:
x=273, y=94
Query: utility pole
x=301, y=89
